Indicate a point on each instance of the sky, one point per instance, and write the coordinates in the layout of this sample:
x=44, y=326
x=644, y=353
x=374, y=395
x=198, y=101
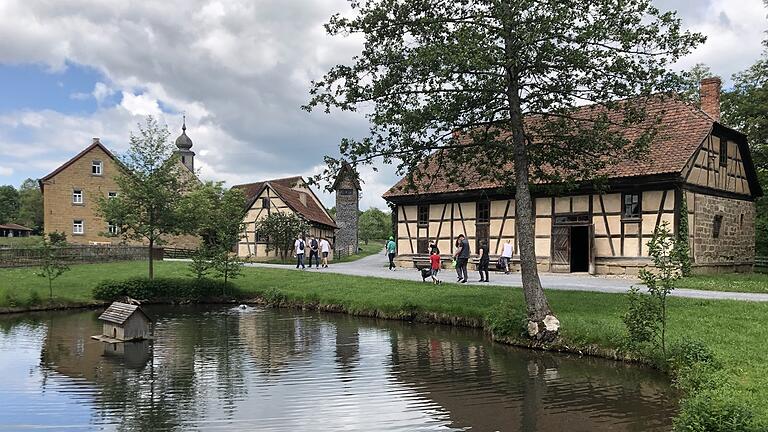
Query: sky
x=71, y=70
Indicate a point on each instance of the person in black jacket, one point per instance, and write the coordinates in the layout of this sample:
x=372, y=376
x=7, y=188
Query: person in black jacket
x=314, y=248
x=485, y=261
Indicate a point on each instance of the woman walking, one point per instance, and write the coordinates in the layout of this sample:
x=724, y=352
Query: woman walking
x=485, y=261
x=391, y=247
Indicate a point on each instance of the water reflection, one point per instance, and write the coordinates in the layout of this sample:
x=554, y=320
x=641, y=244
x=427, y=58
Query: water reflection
x=212, y=367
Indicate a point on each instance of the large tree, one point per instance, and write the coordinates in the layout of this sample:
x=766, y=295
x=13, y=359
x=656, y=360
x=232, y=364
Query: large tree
x=31, y=205
x=375, y=224
x=281, y=230
x=150, y=204
x=9, y=204
x=506, y=78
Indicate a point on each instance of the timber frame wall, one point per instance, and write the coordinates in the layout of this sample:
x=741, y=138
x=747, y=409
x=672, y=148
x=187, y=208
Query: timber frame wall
x=715, y=188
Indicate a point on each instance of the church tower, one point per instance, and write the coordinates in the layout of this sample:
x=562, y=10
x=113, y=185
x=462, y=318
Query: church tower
x=184, y=145
x=347, y=187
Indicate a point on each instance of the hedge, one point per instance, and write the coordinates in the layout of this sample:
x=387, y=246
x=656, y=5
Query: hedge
x=163, y=289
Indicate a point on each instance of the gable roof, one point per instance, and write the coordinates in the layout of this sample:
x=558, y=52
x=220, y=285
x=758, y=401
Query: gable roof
x=14, y=226
x=682, y=130
x=96, y=143
x=346, y=170
x=118, y=313
x=283, y=187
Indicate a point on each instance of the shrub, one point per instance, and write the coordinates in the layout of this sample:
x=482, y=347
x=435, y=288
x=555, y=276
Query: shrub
x=715, y=411
x=506, y=319
x=275, y=297
x=160, y=288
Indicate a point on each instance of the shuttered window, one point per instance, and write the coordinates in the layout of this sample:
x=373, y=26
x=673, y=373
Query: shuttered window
x=423, y=215
x=631, y=208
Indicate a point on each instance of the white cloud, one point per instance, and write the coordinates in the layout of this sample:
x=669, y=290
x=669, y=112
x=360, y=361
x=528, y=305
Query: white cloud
x=140, y=104
x=5, y=171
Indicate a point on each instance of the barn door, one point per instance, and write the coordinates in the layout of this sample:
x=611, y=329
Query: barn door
x=561, y=249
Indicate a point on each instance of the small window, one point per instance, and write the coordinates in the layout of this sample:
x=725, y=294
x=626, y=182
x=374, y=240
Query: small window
x=78, y=227
x=423, y=215
x=112, y=194
x=723, y=152
x=262, y=238
x=741, y=220
x=422, y=246
x=265, y=203
x=77, y=196
x=345, y=191
x=631, y=206
x=717, y=224
x=483, y=211
x=112, y=229
x=96, y=168
x=183, y=159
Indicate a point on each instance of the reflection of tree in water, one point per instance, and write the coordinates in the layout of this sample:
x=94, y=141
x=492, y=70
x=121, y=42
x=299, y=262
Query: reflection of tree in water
x=194, y=362
x=503, y=388
x=347, y=345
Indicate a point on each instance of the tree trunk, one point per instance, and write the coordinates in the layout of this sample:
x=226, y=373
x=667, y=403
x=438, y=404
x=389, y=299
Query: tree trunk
x=542, y=324
x=50, y=288
x=151, y=259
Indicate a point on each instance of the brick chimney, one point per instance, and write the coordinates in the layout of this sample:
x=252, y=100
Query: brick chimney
x=96, y=140
x=710, y=97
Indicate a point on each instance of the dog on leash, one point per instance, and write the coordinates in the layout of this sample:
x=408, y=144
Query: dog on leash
x=425, y=273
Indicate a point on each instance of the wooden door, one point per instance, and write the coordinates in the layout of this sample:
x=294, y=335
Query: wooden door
x=561, y=249
x=592, y=269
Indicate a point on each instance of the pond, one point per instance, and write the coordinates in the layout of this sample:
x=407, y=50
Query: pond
x=222, y=368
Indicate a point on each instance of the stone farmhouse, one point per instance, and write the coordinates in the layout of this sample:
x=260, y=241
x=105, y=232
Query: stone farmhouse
x=71, y=190
x=287, y=195
x=695, y=160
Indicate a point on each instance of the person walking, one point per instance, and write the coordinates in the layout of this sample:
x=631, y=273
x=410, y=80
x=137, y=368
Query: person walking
x=462, y=258
x=485, y=260
x=434, y=261
x=391, y=248
x=506, y=255
x=325, y=249
x=299, y=247
x=314, y=249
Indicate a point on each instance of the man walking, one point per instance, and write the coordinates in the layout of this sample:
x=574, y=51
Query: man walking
x=462, y=258
x=391, y=247
x=314, y=248
x=299, y=251
x=325, y=249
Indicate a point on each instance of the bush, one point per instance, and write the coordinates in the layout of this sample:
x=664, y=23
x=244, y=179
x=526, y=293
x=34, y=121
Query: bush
x=715, y=411
x=506, y=319
x=688, y=352
x=161, y=288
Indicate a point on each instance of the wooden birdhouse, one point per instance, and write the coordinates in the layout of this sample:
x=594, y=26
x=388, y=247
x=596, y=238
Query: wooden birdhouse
x=124, y=322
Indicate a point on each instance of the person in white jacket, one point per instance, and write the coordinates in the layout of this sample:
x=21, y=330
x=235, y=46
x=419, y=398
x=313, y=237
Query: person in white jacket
x=325, y=249
x=506, y=255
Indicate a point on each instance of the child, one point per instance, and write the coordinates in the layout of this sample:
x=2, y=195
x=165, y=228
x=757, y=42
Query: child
x=434, y=261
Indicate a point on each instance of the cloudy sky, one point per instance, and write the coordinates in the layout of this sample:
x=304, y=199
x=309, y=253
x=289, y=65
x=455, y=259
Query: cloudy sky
x=75, y=69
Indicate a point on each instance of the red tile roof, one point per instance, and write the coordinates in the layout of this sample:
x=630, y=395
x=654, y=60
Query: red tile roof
x=683, y=128
x=284, y=189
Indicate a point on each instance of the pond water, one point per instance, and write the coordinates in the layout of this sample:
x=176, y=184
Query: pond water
x=221, y=368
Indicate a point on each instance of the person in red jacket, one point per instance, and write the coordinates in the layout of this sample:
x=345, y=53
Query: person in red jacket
x=434, y=260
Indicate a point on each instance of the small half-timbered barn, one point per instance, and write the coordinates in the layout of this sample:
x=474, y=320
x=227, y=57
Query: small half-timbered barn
x=125, y=322
x=694, y=162
x=288, y=195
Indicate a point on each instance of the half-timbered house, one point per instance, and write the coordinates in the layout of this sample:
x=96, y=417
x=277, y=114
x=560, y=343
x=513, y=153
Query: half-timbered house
x=288, y=195
x=695, y=162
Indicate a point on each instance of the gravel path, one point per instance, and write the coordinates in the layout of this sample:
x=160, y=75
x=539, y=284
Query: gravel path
x=376, y=266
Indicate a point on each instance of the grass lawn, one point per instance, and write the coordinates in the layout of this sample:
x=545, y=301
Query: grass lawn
x=735, y=282
x=20, y=241
x=373, y=247
x=734, y=331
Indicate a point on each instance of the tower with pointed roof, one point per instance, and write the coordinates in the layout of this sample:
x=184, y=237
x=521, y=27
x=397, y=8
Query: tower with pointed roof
x=347, y=187
x=184, y=145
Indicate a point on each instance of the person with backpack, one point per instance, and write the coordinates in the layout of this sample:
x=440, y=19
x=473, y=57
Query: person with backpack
x=314, y=248
x=391, y=248
x=299, y=251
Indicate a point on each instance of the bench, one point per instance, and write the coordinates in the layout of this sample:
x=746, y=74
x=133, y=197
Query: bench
x=422, y=262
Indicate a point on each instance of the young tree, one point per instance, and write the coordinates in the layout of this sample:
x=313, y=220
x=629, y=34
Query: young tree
x=151, y=182
x=690, y=88
x=31, y=205
x=374, y=224
x=9, y=204
x=52, y=265
x=282, y=230
x=506, y=79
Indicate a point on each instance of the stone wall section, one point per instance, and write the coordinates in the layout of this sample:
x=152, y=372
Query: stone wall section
x=735, y=245
x=347, y=215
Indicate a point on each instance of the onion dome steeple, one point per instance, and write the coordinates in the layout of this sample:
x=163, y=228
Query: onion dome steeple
x=184, y=145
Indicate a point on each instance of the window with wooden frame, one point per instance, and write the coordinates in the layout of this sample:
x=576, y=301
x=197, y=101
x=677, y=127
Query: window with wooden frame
x=717, y=225
x=423, y=217
x=265, y=203
x=723, y=152
x=631, y=208
x=483, y=211
x=422, y=246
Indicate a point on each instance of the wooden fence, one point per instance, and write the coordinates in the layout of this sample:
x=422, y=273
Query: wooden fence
x=761, y=264
x=29, y=257
x=175, y=253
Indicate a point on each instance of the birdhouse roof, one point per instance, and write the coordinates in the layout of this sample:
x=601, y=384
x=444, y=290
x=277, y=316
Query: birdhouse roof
x=119, y=313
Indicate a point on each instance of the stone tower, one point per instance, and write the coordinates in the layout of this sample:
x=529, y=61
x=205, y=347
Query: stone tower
x=347, y=187
x=184, y=145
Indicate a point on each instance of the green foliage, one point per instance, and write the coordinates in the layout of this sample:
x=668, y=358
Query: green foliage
x=200, y=265
x=683, y=244
x=688, y=352
x=52, y=265
x=9, y=204
x=275, y=297
x=506, y=319
x=646, y=319
x=152, y=183
x=177, y=289
x=282, y=229
x=375, y=224
x=715, y=411
x=690, y=87
x=31, y=206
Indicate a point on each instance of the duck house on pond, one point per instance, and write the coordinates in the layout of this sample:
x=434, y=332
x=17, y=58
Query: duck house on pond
x=123, y=322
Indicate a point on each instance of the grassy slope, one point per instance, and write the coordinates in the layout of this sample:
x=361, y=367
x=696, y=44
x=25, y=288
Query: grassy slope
x=735, y=282
x=735, y=331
